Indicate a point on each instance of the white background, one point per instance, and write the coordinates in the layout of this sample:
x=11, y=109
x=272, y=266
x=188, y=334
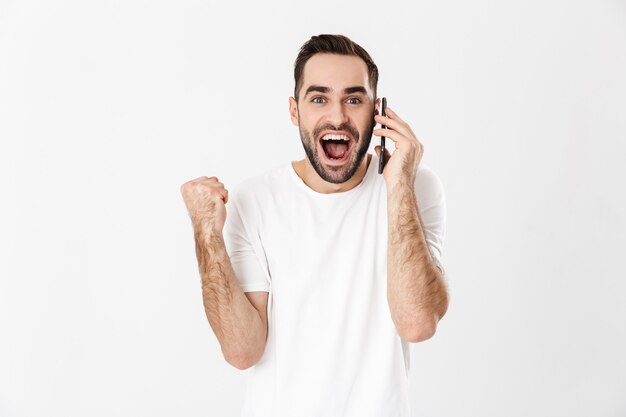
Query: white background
x=107, y=107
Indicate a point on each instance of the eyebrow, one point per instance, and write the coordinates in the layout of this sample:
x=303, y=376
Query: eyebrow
x=326, y=90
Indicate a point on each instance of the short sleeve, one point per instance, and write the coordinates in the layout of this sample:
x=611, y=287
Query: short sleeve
x=431, y=203
x=241, y=251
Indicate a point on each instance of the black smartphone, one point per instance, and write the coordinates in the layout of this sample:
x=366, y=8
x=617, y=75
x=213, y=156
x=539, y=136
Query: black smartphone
x=381, y=161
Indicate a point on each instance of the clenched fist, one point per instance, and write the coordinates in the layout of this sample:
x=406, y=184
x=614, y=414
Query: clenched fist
x=205, y=199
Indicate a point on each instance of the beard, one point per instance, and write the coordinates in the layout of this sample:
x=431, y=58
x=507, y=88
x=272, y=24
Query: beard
x=337, y=174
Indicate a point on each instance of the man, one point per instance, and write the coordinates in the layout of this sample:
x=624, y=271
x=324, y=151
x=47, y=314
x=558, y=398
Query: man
x=324, y=271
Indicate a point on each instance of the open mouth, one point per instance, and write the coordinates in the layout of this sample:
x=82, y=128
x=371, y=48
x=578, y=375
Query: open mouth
x=336, y=147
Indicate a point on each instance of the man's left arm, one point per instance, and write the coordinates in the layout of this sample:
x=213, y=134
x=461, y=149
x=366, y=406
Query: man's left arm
x=416, y=290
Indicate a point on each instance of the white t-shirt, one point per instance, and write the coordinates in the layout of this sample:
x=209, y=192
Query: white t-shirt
x=332, y=347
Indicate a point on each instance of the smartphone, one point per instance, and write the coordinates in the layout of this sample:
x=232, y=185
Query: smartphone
x=381, y=161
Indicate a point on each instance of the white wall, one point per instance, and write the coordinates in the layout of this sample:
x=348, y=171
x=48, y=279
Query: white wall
x=107, y=107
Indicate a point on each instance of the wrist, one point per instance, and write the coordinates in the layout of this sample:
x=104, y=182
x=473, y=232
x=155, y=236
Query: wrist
x=399, y=187
x=206, y=229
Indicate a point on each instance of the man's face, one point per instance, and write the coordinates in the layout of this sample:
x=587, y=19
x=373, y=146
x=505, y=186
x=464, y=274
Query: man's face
x=335, y=102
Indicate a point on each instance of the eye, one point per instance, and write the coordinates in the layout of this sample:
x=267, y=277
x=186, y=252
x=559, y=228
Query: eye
x=315, y=98
x=358, y=100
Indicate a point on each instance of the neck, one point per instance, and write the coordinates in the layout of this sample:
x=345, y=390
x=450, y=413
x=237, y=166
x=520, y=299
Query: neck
x=307, y=173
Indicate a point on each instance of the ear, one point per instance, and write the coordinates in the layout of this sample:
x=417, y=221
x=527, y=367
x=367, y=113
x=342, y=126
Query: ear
x=377, y=106
x=293, y=111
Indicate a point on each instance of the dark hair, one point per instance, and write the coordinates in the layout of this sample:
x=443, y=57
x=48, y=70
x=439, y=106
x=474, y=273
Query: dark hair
x=333, y=44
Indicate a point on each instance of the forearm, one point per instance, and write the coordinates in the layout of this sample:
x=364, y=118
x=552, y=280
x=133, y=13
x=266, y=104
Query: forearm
x=234, y=320
x=416, y=290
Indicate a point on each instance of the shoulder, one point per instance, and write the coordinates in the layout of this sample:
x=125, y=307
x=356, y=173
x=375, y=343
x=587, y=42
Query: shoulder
x=255, y=189
x=428, y=185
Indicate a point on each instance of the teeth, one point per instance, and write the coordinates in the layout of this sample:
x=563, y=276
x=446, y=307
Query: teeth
x=335, y=137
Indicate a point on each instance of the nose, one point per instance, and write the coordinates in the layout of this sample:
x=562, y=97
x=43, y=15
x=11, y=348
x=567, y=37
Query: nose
x=337, y=114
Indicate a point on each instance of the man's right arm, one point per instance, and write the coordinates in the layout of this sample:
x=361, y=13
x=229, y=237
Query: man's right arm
x=240, y=325
x=240, y=328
